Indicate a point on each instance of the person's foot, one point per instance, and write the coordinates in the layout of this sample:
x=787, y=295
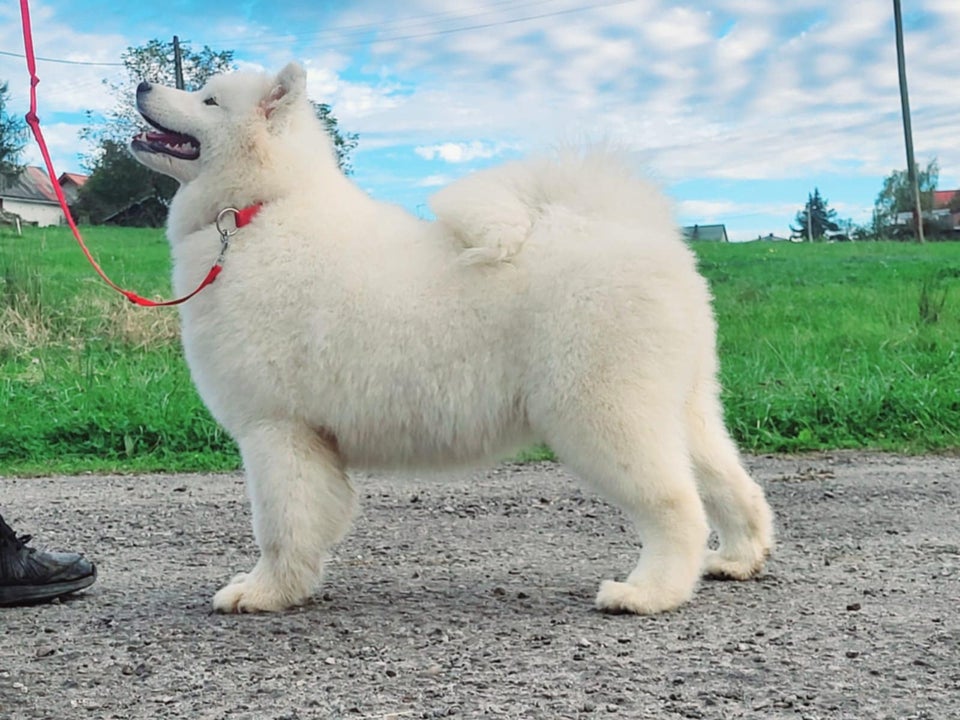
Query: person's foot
x=28, y=575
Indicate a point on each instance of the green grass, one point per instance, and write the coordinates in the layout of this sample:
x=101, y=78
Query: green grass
x=834, y=346
x=89, y=381
x=822, y=346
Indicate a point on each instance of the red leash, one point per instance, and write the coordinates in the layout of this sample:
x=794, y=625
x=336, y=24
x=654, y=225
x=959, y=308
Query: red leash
x=242, y=217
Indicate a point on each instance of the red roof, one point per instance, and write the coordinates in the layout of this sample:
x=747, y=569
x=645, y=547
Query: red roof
x=942, y=198
x=76, y=178
x=41, y=182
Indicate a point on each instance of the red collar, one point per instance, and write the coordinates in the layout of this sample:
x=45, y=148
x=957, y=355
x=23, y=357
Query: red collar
x=241, y=217
x=245, y=215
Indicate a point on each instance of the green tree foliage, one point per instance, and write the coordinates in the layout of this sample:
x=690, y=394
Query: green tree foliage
x=120, y=184
x=343, y=142
x=896, y=196
x=822, y=219
x=13, y=136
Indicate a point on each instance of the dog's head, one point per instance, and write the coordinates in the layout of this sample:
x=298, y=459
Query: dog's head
x=221, y=128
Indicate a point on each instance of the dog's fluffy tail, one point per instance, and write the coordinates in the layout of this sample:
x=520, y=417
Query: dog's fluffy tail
x=492, y=212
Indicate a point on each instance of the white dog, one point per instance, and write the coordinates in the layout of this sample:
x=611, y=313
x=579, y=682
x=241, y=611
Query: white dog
x=551, y=300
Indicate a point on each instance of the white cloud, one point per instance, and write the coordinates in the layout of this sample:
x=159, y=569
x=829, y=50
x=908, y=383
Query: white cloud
x=432, y=181
x=64, y=142
x=65, y=87
x=711, y=211
x=678, y=29
x=452, y=152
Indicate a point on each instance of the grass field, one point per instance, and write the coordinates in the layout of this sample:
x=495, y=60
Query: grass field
x=822, y=346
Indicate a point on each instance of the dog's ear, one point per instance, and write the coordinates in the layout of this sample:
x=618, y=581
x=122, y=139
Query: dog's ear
x=288, y=87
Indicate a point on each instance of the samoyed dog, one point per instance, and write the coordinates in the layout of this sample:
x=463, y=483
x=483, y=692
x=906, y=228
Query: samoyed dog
x=551, y=300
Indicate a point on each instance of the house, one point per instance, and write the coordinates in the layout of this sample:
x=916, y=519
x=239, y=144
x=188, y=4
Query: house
x=706, y=233
x=29, y=196
x=939, y=218
x=770, y=237
x=941, y=208
x=71, y=184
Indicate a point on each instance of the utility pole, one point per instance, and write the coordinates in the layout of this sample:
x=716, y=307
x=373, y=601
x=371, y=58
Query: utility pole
x=810, y=218
x=907, y=130
x=178, y=63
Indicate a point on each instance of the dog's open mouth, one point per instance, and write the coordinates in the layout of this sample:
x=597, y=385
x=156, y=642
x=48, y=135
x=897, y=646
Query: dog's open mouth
x=167, y=142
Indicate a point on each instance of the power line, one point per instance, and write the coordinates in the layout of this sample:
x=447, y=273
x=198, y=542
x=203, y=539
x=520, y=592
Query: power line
x=64, y=62
x=389, y=25
x=447, y=31
x=361, y=30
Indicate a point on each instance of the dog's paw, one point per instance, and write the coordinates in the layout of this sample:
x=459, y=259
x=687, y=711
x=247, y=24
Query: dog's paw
x=723, y=567
x=244, y=594
x=622, y=597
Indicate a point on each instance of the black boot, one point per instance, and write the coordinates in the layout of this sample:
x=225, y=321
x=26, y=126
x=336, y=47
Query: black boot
x=28, y=575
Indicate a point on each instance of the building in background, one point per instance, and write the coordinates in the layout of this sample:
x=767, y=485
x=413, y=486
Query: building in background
x=940, y=220
x=706, y=233
x=71, y=184
x=29, y=198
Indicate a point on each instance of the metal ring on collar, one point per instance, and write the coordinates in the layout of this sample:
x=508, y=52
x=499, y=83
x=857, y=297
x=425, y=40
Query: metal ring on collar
x=220, y=216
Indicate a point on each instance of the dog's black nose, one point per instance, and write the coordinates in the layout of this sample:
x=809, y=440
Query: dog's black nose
x=143, y=88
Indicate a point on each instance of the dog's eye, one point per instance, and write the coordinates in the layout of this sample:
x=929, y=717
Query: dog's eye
x=210, y=101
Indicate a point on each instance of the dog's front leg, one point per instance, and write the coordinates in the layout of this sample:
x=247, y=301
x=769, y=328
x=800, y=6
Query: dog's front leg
x=302, y=504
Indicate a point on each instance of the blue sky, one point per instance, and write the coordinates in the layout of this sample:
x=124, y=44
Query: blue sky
x=739, y=108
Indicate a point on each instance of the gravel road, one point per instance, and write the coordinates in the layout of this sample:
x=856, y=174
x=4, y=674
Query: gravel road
x=471, y=596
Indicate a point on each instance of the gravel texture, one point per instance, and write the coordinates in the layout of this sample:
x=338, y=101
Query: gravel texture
x=471, y=596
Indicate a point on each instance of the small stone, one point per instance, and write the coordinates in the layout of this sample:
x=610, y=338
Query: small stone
x=853, y=607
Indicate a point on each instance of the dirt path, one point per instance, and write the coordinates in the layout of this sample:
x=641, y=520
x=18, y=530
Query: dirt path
x=472, y=598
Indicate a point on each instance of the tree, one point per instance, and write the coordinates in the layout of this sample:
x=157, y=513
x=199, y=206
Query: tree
x=118, y=183
x=13, y=136
x=896, y=196
x=822, y=219
x=343, y=143
x=155, y=62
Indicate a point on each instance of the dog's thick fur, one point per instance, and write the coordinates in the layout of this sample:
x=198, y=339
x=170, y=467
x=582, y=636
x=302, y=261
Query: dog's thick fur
x=551, y=300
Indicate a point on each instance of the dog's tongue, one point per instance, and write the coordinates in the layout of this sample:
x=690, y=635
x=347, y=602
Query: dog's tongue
x=182, y=146
x=166, y=138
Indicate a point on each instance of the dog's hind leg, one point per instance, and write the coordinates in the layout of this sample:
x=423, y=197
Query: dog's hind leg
x=302, y=504
x=635, y=454
x=735, y=504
